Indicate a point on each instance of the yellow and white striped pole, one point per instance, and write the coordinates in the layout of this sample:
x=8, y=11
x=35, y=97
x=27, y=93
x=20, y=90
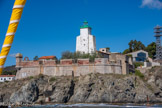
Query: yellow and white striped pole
x=14, y=21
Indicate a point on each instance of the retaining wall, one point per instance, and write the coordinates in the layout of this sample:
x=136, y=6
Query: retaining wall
x=66, y=67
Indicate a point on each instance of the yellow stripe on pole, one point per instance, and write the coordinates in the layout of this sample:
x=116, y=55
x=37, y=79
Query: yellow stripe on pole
x=14, y=21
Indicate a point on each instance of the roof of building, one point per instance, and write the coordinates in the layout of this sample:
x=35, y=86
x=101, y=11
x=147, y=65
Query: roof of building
x=7, y=75
x=137, y=52
x=19, y=55
x=115, y=52
x=104, y=52
x=47, y=57
x=85, y=25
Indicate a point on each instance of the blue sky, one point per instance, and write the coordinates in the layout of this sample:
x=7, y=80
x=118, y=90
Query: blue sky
x=49, y=27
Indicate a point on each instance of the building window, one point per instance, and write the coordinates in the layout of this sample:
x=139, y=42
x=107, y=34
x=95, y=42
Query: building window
x=141, y=57
x=141, y=54
x=84, y=44
x=4, y=79
x=40, y=62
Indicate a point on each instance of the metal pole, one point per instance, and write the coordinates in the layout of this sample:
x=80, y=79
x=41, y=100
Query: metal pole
x=14, y=21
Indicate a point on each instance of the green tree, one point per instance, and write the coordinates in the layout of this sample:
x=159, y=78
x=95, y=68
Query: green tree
x=134, y=45
x=140, y=46
x=151, y=49
x=35, y=58
x=126, y=51
x=130, y=46
x=10, y=72
x=67, y=55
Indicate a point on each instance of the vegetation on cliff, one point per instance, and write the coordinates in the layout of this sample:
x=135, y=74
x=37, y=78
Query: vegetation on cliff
x=137, y=64
x=9, y=70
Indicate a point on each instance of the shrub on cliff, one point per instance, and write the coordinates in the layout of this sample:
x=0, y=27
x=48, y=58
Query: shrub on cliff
x=137, y=64
x=138, y=73
x=31, y=77
x=52, y=79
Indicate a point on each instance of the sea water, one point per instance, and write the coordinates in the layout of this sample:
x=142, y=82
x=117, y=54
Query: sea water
x=93, y=106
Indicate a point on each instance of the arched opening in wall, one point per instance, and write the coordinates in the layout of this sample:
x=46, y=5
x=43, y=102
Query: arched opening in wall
x=26, y=59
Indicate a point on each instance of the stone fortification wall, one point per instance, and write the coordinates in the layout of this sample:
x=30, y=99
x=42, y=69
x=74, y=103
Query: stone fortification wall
x=66, y=67
x=126, y=62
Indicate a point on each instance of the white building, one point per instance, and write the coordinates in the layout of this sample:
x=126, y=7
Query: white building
x=139, y=56
x=86, y=43
x=4, y=78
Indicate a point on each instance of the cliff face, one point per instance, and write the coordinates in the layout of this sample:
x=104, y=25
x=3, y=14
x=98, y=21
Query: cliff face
x=92, y=88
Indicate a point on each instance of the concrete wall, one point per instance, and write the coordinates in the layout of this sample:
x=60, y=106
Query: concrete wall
x=126, y=62
x=61, y=70
x=66, y=67
x=155, y=64
x=27, y=72
x=147, y=64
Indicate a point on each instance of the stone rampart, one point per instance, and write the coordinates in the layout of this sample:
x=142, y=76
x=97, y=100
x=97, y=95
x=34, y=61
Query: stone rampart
x=66, y=67
x=28, y=64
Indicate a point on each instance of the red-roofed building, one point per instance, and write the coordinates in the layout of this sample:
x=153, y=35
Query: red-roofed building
x=4, y=78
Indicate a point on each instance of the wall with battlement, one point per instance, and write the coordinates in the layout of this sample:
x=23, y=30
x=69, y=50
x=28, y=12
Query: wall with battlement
x=66, y=67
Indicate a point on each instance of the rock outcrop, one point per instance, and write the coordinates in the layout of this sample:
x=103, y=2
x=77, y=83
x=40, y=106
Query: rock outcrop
x=26, y=95
x=92, y=88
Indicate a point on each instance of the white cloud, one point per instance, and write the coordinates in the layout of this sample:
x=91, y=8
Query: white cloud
x=152, y=4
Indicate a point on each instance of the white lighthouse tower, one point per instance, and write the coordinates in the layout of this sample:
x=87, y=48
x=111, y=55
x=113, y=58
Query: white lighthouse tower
x=86, y=43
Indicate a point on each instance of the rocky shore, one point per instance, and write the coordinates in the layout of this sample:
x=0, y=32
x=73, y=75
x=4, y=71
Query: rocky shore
x=92, y=88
